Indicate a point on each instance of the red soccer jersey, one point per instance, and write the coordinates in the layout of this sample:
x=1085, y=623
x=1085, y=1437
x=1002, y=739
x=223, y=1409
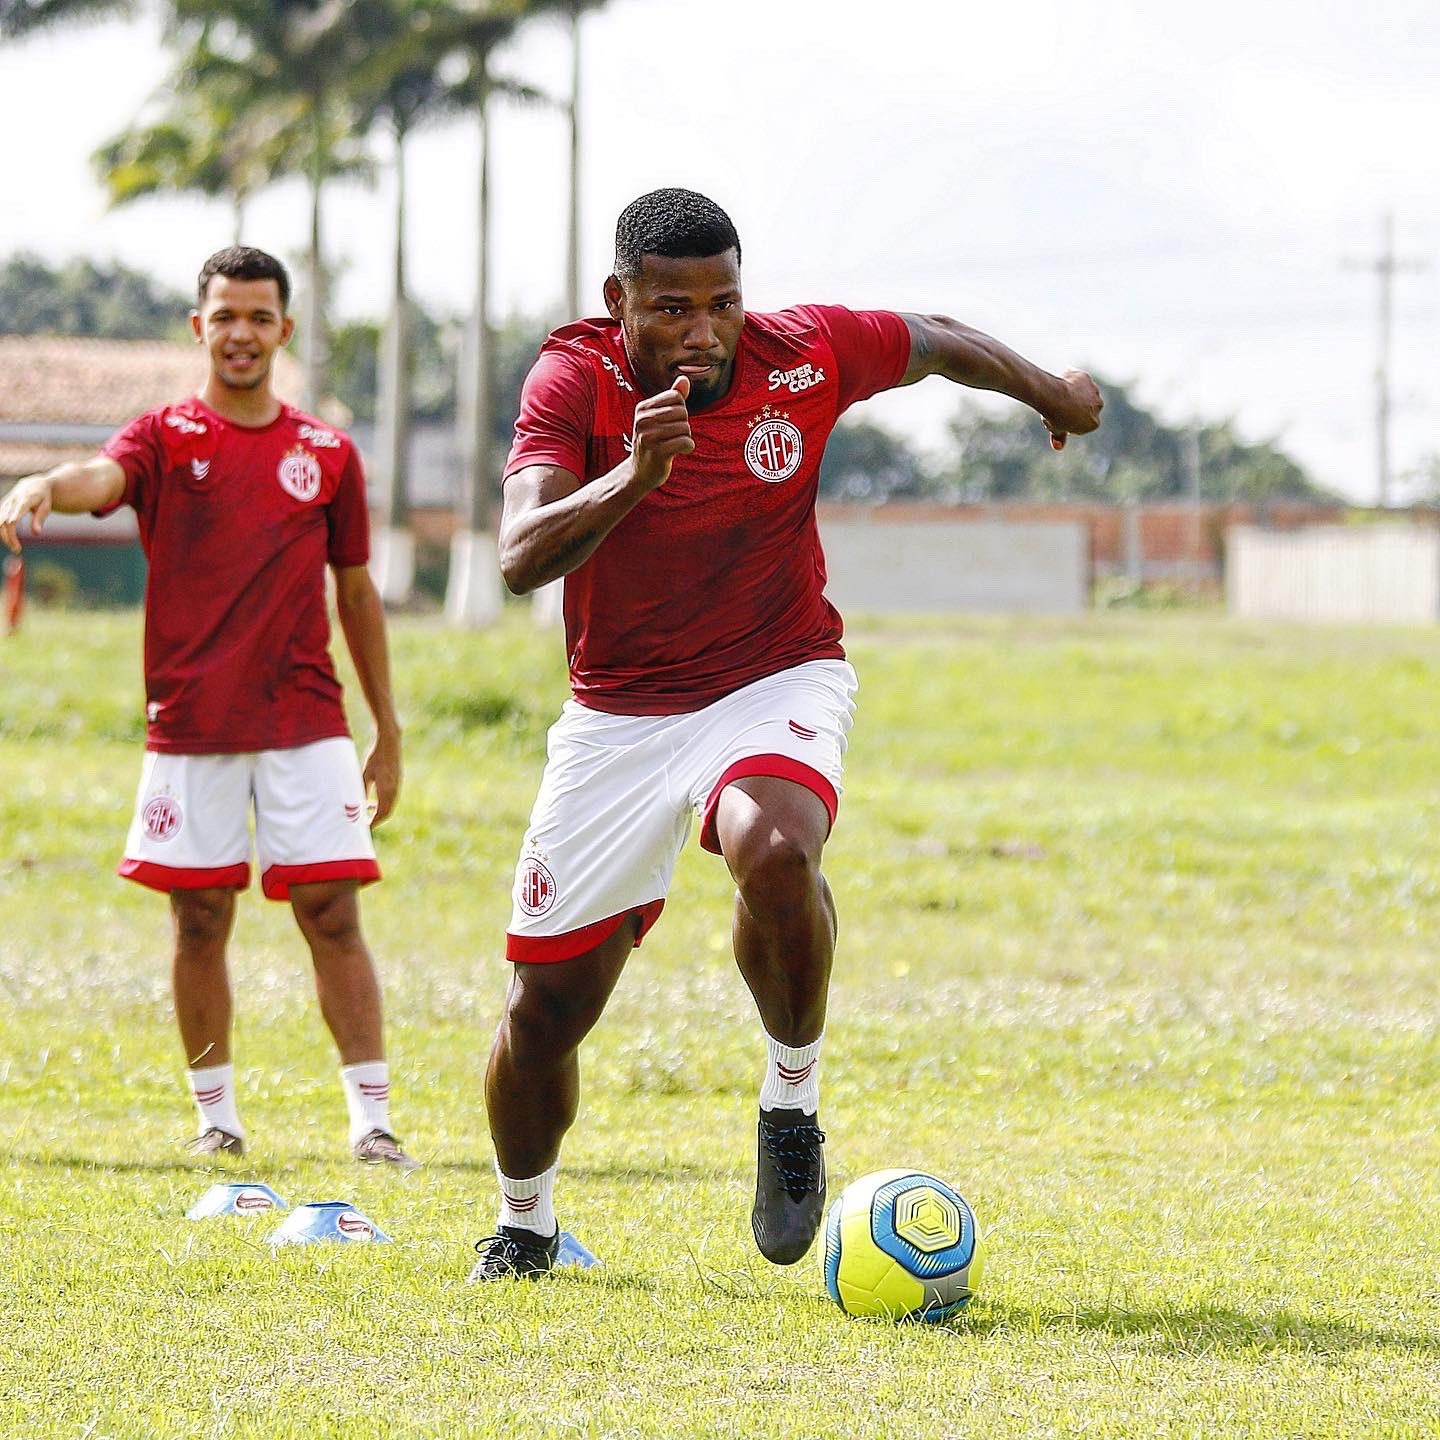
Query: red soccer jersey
x=717, y=578
x=238, y=523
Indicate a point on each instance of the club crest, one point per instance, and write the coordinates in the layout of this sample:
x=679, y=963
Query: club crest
x=775, y=447
x=299, y=474
x=162, y=818
x=535, y=887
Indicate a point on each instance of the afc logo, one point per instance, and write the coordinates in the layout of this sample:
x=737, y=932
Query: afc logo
x=534, y=887
x=299, y=474
x=774, y=448
x=161, y=818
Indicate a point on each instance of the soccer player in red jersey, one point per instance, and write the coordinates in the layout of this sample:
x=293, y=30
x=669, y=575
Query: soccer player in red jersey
x=241, y=502
x=665, y=463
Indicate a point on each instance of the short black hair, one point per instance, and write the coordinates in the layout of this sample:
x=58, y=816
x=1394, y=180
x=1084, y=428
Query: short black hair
x=244, y=262
x=673, y=223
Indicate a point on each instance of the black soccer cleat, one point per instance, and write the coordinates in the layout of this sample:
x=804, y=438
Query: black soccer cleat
x=789, y=1185
x=514, y=1254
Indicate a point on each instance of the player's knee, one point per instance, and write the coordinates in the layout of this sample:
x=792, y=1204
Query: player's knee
x=202, y=919
x=328, y=918
x=550, y=1022
x=779, y=876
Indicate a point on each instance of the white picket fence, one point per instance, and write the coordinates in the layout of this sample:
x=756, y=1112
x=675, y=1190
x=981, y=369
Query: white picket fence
x=1378, y=573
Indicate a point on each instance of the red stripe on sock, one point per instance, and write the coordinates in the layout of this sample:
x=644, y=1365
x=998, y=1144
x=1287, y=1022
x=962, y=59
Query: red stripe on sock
x=522, y=1205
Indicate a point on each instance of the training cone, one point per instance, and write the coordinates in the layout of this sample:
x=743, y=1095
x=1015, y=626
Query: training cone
x=327, y=1220
x=235, y=1200
x=572, y=1252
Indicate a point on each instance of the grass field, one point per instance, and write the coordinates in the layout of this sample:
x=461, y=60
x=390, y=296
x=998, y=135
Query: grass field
x=1139, y=927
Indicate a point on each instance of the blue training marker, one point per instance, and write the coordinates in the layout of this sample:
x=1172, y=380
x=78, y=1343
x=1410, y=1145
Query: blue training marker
x=251, y=1199
x=333, y=1220
x=572, y=1252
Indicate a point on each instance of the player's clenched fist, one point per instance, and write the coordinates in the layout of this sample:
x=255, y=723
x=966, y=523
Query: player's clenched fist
x=662, y=431
x=1079, y=410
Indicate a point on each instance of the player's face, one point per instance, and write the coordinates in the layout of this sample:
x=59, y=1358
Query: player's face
x=681, y=317
x=242, y=324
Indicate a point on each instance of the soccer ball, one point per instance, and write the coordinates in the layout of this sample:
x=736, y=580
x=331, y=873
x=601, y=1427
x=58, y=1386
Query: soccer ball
x=900, y=1243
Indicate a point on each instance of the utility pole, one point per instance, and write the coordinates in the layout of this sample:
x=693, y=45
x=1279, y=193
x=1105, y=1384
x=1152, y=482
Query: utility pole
x=1385, y=266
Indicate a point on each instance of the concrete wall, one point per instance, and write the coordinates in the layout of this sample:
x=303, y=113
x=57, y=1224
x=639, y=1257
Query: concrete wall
x=882, y=565
x=1369, y=572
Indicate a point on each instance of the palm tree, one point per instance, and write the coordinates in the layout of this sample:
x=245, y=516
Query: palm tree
x=293, y=59
x=399, y=89
x=213, y=141
x=19, y=18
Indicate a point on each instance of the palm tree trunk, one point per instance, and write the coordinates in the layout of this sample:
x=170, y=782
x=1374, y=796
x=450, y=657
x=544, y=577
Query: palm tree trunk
x=572, y=247
x=394, y=547
x=472, y=593
x=314, y=359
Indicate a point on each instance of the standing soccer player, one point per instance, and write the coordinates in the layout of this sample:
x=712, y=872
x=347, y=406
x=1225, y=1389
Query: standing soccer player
x=241, y=502
x=666, y=463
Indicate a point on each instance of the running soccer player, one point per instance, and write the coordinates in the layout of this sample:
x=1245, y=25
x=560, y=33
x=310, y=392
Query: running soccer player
x=665, y=463
x=241, y=502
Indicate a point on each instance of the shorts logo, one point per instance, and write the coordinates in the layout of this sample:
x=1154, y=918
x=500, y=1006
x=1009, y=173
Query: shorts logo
x=774, y=448
x=162, y=818
x=535, y=890
x=299, y=474
x=803, y=731
x=352, y=813
x=349, y=1223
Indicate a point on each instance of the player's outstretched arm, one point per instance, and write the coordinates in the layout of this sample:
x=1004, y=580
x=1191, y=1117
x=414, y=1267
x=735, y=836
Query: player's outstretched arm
x=71, y=489
x=551, y=524
x=1067, y=404
x=362, y=618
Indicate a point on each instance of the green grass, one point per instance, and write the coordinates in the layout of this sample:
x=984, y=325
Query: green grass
x=1139, y=937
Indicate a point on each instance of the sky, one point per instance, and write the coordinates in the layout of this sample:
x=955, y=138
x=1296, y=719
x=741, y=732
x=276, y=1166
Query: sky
x=1183, y=199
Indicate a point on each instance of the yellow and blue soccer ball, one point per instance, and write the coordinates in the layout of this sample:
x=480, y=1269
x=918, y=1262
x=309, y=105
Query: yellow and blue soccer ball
x=900, y=1244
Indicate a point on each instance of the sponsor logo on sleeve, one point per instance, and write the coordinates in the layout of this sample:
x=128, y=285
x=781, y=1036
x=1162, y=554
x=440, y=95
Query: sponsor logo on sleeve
x=802, y=377
x=321, y=439
x=299, y=474
x=618, y=373
x=774, y=447
x=185, y=425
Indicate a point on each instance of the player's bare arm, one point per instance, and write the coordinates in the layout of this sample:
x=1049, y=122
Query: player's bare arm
x=362, y=618
x=74, y=488
x=551, y=524
x=1068, y=404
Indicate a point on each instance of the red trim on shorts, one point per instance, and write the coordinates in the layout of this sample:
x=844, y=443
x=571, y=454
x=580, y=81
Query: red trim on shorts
x=777, y=767
x=278, y=879
x=545, y=949
x=178, y=877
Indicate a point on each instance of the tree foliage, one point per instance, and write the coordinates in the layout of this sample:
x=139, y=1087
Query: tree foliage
x=1134, y=456
x=111, y=301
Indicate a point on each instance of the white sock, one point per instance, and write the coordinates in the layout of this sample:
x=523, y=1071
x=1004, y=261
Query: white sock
x=213, y=1090
x=367, y=1097
x=528, y=1204
x=792, y=1076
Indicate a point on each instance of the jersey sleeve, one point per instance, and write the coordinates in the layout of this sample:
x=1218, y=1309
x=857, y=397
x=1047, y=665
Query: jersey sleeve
x=139, y=451
x=557, y=414
x=348, y=517
x=871, y=347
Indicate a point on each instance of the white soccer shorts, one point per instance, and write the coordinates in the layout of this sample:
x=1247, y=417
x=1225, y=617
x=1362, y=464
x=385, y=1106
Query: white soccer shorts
x=619, y=791
x=191, y=829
